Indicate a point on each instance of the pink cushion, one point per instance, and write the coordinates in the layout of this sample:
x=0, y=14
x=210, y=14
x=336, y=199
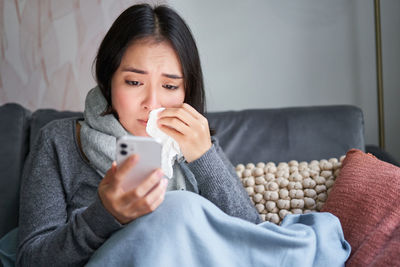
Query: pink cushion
x=366, y=199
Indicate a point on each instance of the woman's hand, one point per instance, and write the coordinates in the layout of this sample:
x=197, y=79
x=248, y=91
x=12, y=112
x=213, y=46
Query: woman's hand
x=127, y=206
x=187, y=127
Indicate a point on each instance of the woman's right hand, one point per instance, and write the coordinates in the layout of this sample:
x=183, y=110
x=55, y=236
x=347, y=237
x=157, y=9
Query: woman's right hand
x=143, y=199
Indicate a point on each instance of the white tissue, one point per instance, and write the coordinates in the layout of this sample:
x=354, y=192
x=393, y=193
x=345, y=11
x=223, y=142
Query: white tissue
x=170, y=147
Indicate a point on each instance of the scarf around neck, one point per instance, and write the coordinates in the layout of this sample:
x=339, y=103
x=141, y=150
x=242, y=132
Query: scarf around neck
x=99, y=133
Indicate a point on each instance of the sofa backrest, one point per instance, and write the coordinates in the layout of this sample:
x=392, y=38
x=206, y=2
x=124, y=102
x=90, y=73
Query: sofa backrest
x=262, y=135
x=284, y=134
x=43, y=116
x=303, y=133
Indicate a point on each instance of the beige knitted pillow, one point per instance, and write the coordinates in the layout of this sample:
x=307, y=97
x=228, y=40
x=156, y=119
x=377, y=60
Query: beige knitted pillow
x=288, y=188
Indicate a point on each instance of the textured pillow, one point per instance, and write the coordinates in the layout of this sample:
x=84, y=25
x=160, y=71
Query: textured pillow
x=288, y=188
x=366, y=198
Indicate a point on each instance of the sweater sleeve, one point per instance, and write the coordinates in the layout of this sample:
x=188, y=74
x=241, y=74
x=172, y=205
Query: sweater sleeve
x=47, y=235
x=219, y=183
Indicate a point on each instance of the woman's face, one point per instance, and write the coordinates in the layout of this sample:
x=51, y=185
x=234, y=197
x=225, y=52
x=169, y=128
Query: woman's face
x=149, y=77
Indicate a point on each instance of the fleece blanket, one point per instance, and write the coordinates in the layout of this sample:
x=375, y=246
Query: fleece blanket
x=188, y=230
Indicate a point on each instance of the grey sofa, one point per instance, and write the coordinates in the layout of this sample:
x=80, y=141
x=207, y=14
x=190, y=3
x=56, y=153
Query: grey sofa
x=304, y=133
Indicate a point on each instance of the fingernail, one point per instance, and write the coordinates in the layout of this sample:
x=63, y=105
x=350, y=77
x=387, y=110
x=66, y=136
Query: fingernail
x=132, y=158
x=160, y=174
x=165, y=182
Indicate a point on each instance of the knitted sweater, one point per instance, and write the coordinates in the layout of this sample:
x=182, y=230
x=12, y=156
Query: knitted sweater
x=62, y=220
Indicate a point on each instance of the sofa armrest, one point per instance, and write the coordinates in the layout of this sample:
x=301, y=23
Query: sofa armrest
x=14, y=139
x=381, y=154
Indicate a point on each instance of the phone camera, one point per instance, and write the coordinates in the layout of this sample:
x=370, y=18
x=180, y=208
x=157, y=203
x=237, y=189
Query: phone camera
x=123, y=152
x=123, y=145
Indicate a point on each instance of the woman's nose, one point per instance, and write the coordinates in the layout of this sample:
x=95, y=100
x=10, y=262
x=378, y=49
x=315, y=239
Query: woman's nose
x=151, y=99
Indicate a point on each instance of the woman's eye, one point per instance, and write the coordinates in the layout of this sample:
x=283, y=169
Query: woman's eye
x=133, y=83
x=170, y=87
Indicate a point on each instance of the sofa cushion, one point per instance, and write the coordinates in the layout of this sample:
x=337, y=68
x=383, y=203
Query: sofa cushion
x=14, y=123
x=365, y=197
x=302, y=133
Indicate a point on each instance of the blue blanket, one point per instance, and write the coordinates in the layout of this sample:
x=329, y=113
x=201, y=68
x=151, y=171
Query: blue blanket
x=8, y=248
x=188, y=230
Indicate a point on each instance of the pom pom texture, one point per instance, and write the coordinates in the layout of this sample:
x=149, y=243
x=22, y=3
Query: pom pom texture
x=288, y=187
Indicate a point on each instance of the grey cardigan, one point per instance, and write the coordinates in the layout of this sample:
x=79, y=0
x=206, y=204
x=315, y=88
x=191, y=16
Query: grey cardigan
x=62, y=220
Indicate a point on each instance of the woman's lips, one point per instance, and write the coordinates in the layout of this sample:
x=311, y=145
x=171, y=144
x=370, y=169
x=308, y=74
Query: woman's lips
x=143, y=122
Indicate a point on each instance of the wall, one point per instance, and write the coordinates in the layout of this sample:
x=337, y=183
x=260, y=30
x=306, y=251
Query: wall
x=391, y=73
x=255, y=54
x=47, y=49
x=259, y=53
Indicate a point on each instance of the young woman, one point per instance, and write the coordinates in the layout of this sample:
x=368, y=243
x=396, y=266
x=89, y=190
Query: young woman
x=74, y=211
x=71, y=197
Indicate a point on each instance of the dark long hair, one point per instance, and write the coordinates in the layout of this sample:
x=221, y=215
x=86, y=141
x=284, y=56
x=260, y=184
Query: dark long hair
x=159, y=23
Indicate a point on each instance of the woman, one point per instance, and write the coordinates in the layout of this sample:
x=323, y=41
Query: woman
x=148, y=59
x=73, y=210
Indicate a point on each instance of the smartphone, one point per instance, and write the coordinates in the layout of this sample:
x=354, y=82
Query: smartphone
x=149, y=151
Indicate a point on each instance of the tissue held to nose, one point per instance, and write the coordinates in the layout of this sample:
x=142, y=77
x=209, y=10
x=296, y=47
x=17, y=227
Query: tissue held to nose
x=170, y=148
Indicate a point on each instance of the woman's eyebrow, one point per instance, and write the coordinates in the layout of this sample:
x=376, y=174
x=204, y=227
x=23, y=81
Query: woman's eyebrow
x=171, y=76
x=130, y=69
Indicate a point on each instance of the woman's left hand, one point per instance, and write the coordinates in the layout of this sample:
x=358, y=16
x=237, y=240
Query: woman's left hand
x=187, y=127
